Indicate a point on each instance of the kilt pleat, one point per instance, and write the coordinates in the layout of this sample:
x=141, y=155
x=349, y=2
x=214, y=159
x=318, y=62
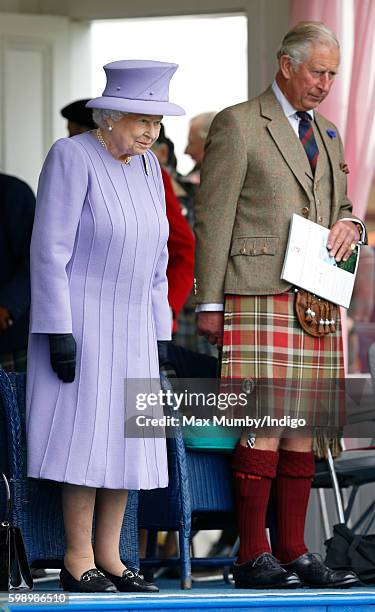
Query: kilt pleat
x=291, y=372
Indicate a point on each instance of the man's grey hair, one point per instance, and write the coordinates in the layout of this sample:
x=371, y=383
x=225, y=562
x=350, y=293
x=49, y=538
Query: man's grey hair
x=204, y=120
x=298, y=41
x=102, y=115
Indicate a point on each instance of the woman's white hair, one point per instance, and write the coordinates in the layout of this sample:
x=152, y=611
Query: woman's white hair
x=102, y=115
x=298, y=41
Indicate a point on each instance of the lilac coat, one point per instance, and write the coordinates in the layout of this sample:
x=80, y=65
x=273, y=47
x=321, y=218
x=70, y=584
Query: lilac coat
x=98, y=270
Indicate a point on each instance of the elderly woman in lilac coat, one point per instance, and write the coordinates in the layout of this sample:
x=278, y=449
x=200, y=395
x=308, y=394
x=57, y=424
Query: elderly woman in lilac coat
x=99, y=306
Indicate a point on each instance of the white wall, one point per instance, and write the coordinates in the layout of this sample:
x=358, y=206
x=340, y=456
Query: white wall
x=267, y=21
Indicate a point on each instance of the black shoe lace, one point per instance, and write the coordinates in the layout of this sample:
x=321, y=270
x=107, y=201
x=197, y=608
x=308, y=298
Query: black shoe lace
x=267, y=560
x=317, y=564
x=316, y=557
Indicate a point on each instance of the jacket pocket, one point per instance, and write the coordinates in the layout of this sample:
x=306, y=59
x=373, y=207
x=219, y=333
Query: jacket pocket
x=253, y=246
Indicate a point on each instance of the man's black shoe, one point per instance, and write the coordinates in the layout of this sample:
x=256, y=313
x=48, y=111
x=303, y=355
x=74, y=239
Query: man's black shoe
x=313, y=573
x=264, y=572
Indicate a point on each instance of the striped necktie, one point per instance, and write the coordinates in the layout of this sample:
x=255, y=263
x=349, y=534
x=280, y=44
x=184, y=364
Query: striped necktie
x=307, y=138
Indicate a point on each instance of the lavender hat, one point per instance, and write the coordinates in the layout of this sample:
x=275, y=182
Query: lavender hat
x=138, y=86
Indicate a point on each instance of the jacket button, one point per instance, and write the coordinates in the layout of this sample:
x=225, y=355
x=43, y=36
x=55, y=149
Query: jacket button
x=264, y=250
x=305, y=211
x=320, y=218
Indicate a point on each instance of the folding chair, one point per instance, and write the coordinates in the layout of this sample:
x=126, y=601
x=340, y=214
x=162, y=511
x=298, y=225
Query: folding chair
x=352, y=469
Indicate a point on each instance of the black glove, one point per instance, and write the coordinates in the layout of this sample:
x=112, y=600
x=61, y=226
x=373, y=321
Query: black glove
x=163, y=355
x=63, y=350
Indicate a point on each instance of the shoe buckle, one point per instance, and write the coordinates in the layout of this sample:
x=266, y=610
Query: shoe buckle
x=92, y=574
x=129, y=573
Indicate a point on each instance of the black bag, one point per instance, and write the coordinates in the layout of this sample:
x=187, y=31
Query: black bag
x=14, y=567
x=348, y=551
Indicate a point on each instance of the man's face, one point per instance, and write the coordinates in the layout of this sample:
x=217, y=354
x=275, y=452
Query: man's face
x=308, y=84
x=195, y=145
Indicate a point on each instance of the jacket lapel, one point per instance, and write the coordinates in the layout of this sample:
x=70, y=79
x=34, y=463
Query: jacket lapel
x=285, y=139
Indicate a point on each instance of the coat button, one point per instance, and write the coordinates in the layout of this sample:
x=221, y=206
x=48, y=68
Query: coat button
x=305, y=211
x=264, y=250
x=320, y=218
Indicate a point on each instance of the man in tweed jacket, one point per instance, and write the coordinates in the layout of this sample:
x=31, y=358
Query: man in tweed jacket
x=258, y=170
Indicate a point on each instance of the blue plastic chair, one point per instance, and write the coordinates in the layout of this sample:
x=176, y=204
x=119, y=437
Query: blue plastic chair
x=199, y=496
x=37, y=503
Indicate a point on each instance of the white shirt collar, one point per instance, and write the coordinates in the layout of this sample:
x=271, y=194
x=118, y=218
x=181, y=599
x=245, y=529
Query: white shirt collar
x=288, y=109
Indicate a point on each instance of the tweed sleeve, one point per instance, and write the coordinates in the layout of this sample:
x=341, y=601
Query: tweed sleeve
x=222, y=177
x=61, y=194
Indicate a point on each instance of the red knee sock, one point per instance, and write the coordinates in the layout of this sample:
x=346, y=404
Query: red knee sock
x=291, y=490
x=253, y=472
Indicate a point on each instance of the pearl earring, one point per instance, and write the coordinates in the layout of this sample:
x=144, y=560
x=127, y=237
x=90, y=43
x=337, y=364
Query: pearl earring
x=110, y=128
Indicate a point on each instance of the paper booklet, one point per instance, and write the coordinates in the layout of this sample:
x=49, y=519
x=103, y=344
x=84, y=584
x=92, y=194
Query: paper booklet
x=308, y=265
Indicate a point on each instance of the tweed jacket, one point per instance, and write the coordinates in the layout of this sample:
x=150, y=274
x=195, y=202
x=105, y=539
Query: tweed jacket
x=255, y=175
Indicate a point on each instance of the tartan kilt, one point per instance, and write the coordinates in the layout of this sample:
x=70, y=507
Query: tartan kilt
x=286, y=371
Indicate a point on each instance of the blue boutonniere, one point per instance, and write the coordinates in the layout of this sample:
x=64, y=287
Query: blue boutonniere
x=331, y=133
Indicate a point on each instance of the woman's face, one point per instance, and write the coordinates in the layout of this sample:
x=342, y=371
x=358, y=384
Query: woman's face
x=134, y=134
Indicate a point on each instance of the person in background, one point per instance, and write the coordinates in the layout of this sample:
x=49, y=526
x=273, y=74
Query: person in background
x=164, y=151
x=186, y=336
x=17, y=207
x=79, y=117
x=180, y=270
x=198, y=130
x=265, y=160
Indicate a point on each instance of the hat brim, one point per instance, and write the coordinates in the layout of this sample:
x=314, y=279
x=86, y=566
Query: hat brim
x=143, y=107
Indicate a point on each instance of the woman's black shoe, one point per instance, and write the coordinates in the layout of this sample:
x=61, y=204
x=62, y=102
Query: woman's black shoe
x=131, y=582
x=92, y=581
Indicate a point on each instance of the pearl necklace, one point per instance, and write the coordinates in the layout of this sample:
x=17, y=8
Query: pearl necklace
x=99, y=136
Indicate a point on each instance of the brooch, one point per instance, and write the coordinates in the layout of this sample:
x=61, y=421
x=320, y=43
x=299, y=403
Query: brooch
x=331, y=133
x=344, y=167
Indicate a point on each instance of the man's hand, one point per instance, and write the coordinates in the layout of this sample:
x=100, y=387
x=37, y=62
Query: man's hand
x=211, y=325
x=343, y=234
x=5, y=319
